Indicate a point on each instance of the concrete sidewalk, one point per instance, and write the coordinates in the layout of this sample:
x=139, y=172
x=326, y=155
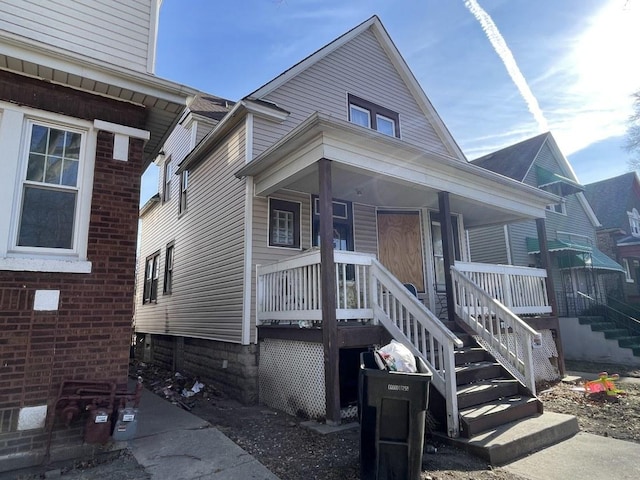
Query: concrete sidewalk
x=172, y=443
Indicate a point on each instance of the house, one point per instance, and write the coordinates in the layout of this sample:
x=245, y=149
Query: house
x=325, y=214
x=616, y=202
x=579, y=269
x=81, y=115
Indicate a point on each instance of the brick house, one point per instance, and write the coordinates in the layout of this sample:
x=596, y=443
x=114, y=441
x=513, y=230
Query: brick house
x=81, y=116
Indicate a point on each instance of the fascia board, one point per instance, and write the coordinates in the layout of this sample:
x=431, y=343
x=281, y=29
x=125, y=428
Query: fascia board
x=109, y=74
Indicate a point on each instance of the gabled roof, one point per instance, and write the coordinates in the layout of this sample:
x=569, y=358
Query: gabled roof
x=395, y=57
x=210, y=106
x=610, y=198
x=515, y=160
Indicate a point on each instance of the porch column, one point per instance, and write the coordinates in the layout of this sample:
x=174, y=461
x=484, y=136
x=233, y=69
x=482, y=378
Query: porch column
x=328, y=282
x=545, y=260
x=447, y=250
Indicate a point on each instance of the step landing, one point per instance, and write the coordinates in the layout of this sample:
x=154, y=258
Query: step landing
x=514, y=440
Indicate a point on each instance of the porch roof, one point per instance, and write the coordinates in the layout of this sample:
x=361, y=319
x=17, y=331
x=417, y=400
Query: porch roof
x=375, y=169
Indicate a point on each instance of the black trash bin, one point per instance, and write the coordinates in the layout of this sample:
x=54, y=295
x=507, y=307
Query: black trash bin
x=392, y=411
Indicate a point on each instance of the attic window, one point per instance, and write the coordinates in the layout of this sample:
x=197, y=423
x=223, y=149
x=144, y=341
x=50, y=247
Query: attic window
x=370, y=115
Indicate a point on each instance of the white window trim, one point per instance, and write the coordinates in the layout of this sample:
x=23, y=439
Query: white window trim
x=363, y=110
x=627, y=271
x=14, y=144
x=634, y=222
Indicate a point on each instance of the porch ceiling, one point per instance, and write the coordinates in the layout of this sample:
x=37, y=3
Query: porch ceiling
x=374, y=169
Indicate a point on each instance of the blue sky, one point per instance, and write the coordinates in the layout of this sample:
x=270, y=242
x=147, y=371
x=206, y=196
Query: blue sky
x=575, y=63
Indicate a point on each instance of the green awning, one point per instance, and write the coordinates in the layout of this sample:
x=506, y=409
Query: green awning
x=595, y=259
x=533, y=246
x=556, y=183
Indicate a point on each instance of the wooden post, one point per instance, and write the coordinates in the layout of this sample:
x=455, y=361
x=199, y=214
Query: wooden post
x=328, y=283
x=545, y=260
x=447, y=250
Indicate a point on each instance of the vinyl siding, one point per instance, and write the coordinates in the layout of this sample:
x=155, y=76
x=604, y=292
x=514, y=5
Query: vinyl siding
x=262, y=253
x=365, y=231
x=111, y=31
x=206, y=301
x=488, y=245
x=360, y=67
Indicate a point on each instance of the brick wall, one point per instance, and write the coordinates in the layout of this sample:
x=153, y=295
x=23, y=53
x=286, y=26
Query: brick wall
x=88, y=337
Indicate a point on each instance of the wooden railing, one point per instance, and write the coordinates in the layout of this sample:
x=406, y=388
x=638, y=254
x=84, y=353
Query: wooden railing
x=365, y=290
x=497, y=329
x=522, y=290
x=411, y=323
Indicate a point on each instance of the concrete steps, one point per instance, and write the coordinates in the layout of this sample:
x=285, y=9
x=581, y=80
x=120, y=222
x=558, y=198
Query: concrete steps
x=611, y=331
x=513, y=440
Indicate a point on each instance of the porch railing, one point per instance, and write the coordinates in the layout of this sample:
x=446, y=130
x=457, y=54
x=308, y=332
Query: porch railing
x=496, y=327
x=522, y=290
x=289, y=290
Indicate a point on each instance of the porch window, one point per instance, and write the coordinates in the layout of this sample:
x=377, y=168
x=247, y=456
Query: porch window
x=168, y=270
x=369, y=115
x=150, y=293
x=342, y=224
x=284, y=223
x=438, y=250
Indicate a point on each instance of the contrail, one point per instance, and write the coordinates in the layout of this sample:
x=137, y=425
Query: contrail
x=503, y=51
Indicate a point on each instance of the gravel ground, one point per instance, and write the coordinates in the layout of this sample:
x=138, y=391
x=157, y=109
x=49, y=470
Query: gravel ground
x=292, y=451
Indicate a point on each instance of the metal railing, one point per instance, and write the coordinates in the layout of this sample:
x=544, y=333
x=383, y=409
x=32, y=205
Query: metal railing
x=609, y=313
x=497, y=329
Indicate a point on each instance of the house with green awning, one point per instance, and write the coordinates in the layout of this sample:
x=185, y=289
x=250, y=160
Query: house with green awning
x=582, y=274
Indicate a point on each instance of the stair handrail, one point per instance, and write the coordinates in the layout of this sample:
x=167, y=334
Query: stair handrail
x=618, y=317
x=414, y=325
x=497, y=328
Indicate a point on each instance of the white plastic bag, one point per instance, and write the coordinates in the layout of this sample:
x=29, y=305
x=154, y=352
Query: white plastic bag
x=403, y=359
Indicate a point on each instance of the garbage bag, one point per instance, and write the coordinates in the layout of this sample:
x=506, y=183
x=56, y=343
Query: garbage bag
x=398, y=357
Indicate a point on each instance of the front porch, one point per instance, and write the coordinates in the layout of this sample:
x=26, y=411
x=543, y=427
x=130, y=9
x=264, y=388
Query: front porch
x=373, y=306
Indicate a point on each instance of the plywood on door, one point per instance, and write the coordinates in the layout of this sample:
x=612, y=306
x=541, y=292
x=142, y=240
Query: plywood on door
x=400, y=246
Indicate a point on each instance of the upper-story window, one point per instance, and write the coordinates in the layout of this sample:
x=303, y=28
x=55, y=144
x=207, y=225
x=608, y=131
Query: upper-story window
x=168, y=175
x=184, y=185
x=370, y=115
x=560, y=208
x=634, y=222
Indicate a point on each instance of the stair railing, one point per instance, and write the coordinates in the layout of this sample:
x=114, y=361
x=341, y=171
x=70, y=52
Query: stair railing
x=411, y=323
x=615, y=315
x=496, y=328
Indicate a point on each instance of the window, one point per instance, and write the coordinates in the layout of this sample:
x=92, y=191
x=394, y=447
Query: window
x=342, y=224
x=627, y=270
x=168, y=270
x=150, y=293
x=634, y=222
x=560, y=208
x=168, y=175
x=284, y=223
x=184, y=184
x=370, y=115
x=50, y=190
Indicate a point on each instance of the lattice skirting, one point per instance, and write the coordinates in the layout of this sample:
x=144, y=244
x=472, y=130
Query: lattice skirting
x=291, y=377
x=544, y=368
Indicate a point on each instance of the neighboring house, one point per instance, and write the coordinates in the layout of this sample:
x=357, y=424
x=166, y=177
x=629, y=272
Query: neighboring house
x=616, y=202
x=81, y=115
x=578, y=267
x=307, y=208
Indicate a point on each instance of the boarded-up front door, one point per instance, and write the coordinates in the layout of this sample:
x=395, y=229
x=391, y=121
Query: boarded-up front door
x=400, y=246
